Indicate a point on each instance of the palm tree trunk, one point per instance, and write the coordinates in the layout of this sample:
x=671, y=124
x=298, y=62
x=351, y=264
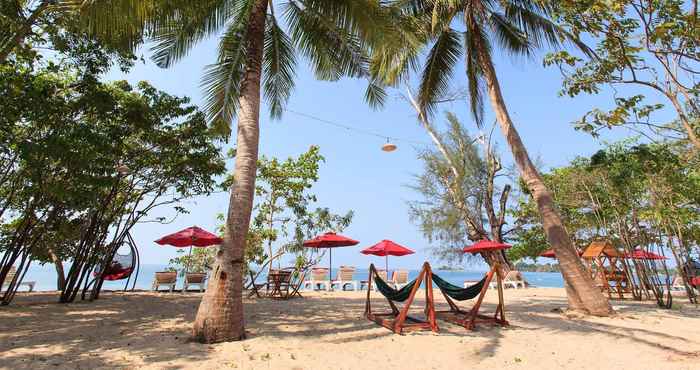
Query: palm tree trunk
x=220, y=315
x=581, y=291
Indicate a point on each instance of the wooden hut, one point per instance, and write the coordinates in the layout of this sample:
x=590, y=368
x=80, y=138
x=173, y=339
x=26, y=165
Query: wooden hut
x=607, y=267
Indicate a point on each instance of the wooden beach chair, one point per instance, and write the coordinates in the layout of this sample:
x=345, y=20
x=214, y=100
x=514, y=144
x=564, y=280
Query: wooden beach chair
x=198, y=279
x=319, y=277
x=167, y=278
x=399, y=278
x=11, y=276
x=344, y=278
x=397, y=320
x=254, y=287
x=297, y=283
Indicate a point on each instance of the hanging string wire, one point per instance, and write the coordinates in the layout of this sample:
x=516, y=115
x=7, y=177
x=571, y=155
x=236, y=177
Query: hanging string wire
x=355, y=129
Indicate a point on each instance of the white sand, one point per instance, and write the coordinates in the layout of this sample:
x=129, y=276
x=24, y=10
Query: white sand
x=327, y=331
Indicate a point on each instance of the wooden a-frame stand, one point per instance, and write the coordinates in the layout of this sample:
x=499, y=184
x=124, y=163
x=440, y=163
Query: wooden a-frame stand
x=469, y=319
x=397, y=320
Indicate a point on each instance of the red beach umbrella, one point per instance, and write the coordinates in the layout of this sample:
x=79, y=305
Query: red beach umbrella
x=330, y=240
x=485, y=245
x=190, y=237
x=639, y=254
x=386, y=248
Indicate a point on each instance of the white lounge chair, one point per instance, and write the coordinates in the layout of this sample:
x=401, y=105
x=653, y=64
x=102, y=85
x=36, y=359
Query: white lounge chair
x=167, y=278
x=319, y=277
x=198, y=279
x=399, y=278
x=514, y=279
x=344, y=278
x=381, y=273
x=11, y=275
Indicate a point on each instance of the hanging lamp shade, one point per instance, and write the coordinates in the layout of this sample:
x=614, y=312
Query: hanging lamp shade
x=388, y=146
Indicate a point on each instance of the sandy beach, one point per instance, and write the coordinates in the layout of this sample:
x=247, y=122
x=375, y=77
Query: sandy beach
x=144, y=330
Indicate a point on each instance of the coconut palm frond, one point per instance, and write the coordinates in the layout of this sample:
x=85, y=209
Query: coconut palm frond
x=221, y=81
x=438, y=69
x=175, y=37
x=279, y=63
x=333, y=50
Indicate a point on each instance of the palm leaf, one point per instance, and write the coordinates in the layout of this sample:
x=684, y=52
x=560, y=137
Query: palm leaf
x=436, y=75
x=333, y=49
x=278, y=67
x=221, y=81
x=177, y=36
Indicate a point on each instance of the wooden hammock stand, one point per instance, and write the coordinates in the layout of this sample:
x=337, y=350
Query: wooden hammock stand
x=606, y=265
x=397, y=320
x=469, y=319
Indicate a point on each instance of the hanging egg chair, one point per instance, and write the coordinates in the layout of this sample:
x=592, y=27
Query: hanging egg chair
x=124, y=265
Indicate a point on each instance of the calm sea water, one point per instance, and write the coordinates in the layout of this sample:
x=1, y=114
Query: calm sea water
x=45, y=277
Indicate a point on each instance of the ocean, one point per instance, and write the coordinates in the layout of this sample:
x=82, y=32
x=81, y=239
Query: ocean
x=45, y=277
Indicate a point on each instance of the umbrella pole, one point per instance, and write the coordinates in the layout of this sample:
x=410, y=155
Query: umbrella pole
x=386, y=264
x=330, y=268
x=189, y=258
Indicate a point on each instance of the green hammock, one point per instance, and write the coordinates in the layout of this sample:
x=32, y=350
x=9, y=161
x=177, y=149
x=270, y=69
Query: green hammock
x=457, y=293
x=390, y=293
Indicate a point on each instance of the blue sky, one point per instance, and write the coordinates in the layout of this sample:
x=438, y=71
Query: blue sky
x=357, y=175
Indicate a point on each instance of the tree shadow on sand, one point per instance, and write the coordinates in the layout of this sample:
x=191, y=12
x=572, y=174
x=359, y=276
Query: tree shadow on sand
x=97, y=334
x=75, y=336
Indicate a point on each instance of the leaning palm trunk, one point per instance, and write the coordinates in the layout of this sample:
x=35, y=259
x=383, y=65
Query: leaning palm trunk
x=220, y=315
x=581, y=290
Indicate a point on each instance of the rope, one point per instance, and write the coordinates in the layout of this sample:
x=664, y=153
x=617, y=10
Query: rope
x=354, y=129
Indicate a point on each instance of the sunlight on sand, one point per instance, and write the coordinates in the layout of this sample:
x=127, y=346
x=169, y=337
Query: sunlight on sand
x=328, y=331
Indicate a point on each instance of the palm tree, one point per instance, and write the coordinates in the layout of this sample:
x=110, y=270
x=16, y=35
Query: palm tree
x=452, y=29
x=256, y=53
x=118, y=23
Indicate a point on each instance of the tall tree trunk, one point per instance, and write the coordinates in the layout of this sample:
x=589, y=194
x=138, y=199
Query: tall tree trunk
x=220, y=315
x=60, y=273
x=581, y=290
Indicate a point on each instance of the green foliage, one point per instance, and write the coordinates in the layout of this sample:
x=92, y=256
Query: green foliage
x=201, y=260
x=446, y=31
x=633, y=194
x=283, y=214
x=335, y=37
x=652, y=45
x=458, y=191
x=83, y=161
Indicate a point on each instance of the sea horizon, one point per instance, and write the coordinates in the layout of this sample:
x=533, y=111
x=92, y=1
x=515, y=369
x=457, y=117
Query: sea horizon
x=45, y=277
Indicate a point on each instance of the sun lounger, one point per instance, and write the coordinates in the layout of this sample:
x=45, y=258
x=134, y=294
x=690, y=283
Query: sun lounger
x=381, y=273
x=319, y=277
x=11, y=275
x=344, y=278
x=198, y=279
x=514, y=279
x=399, y=278
x=167, y=278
